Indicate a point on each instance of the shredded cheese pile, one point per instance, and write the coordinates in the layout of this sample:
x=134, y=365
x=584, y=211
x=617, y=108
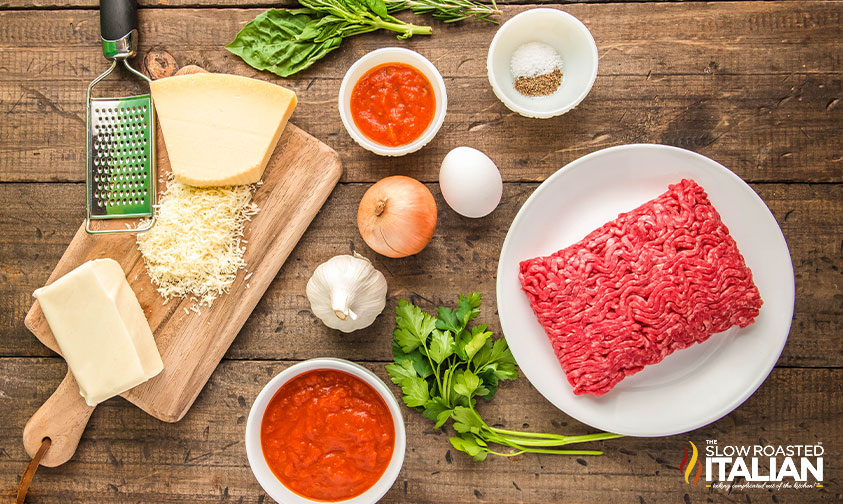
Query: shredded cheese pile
x=195, y=247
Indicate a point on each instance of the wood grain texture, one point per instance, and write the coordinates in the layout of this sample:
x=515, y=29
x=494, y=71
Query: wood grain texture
x=62, y=418
x=462, y=257
x=758, y=86
x=93, y=4
x=127, y=456
x=192, y=343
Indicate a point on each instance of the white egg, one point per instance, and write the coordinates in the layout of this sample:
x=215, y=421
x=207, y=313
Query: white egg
x=470, y=182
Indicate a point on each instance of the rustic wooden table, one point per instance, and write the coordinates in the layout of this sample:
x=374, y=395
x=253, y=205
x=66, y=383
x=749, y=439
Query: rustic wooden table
x=758, y=86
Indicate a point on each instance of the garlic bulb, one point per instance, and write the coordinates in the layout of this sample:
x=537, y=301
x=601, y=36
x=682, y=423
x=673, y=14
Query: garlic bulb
x=347, y=292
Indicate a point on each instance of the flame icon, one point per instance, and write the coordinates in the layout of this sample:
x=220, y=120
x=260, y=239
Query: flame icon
x=689, y=468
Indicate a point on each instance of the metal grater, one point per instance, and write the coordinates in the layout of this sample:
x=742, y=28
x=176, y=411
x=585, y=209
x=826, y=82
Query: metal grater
x=121, y=176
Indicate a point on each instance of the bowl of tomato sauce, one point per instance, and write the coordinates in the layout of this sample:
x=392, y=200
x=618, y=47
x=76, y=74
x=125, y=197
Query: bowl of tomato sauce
x=325, y=430
x=392, y=101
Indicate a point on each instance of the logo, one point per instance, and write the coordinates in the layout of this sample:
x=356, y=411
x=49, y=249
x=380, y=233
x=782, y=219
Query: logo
x=689, y=468
x=767, y=466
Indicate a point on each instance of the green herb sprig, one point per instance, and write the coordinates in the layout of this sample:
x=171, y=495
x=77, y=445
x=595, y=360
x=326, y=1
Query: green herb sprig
x=448, y=11
x=286, y=41
x=442, y=365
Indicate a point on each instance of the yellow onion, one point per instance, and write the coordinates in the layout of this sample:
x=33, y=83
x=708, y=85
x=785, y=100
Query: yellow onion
x=397, y=216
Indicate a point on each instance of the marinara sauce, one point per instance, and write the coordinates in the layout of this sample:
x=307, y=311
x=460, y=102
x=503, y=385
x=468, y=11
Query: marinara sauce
x=392, y=104
x=327, y=435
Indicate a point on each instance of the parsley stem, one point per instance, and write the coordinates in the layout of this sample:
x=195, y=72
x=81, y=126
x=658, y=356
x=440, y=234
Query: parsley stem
x=434, y=367
x=565, y=439
x=527, y=434
x=522, y=442
x=449, y=378
x=539, y=442
x=563, y=452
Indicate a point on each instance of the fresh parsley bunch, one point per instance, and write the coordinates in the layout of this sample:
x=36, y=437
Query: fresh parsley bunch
x=442, y=366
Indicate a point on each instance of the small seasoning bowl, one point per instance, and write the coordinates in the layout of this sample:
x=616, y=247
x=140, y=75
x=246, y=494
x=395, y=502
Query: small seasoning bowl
x=571, y=40
x=380, y=57
x=254, y=451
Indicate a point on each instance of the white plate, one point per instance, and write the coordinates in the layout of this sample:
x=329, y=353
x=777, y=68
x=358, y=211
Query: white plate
x=690, y=388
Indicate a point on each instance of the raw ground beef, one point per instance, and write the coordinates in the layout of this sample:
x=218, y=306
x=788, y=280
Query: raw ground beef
x=655, y=280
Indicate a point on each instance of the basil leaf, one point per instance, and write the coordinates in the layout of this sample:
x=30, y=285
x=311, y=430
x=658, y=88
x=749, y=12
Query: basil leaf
x=378, y=7
x=272, y=41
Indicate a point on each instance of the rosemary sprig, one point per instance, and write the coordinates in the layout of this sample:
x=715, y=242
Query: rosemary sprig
x=448, y=11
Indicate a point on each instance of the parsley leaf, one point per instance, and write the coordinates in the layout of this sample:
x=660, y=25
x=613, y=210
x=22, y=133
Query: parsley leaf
x=436, y=410
x=490, y=386
x=496, y=357
x=446, y=320
x=414, y=387
x=476, y=340
x=420, y=363
x=443, y=363
x=468, y=308
x=470, y=445
x=466, y=383
x=467, y=420
x=413, y=326
x=441, y=346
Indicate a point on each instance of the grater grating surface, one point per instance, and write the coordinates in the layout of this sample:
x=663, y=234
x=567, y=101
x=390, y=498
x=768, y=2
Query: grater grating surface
x=122, y=176
x=120, y=173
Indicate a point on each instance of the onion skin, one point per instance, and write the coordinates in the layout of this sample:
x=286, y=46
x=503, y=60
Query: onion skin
x=397, y=216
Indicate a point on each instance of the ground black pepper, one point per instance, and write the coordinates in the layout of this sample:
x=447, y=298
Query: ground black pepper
x=540, y=85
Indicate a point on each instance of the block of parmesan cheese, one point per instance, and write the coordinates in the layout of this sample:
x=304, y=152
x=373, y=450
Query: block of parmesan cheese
x=101, y=330
x=220, y=129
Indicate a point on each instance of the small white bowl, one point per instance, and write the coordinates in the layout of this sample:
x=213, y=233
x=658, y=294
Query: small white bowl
x=380, y=57
x=254, y=452
x=568, y=36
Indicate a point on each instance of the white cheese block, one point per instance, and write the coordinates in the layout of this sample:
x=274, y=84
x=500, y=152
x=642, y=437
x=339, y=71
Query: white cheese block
x=101, y=330
x=220, y=129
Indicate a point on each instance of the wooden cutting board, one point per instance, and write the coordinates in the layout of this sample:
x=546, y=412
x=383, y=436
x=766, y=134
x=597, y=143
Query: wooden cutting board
x=300, y=175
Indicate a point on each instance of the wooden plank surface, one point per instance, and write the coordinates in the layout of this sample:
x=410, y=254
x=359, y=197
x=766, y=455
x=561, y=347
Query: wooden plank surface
x=92, y=4
x=130, y=457
x=462, y=257
x=766, y=103
x=757, y=86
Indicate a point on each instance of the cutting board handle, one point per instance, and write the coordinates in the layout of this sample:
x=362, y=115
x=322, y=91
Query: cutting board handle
x=62, y=418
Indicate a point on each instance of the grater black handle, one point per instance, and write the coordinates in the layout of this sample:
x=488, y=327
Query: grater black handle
x=118, y=18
